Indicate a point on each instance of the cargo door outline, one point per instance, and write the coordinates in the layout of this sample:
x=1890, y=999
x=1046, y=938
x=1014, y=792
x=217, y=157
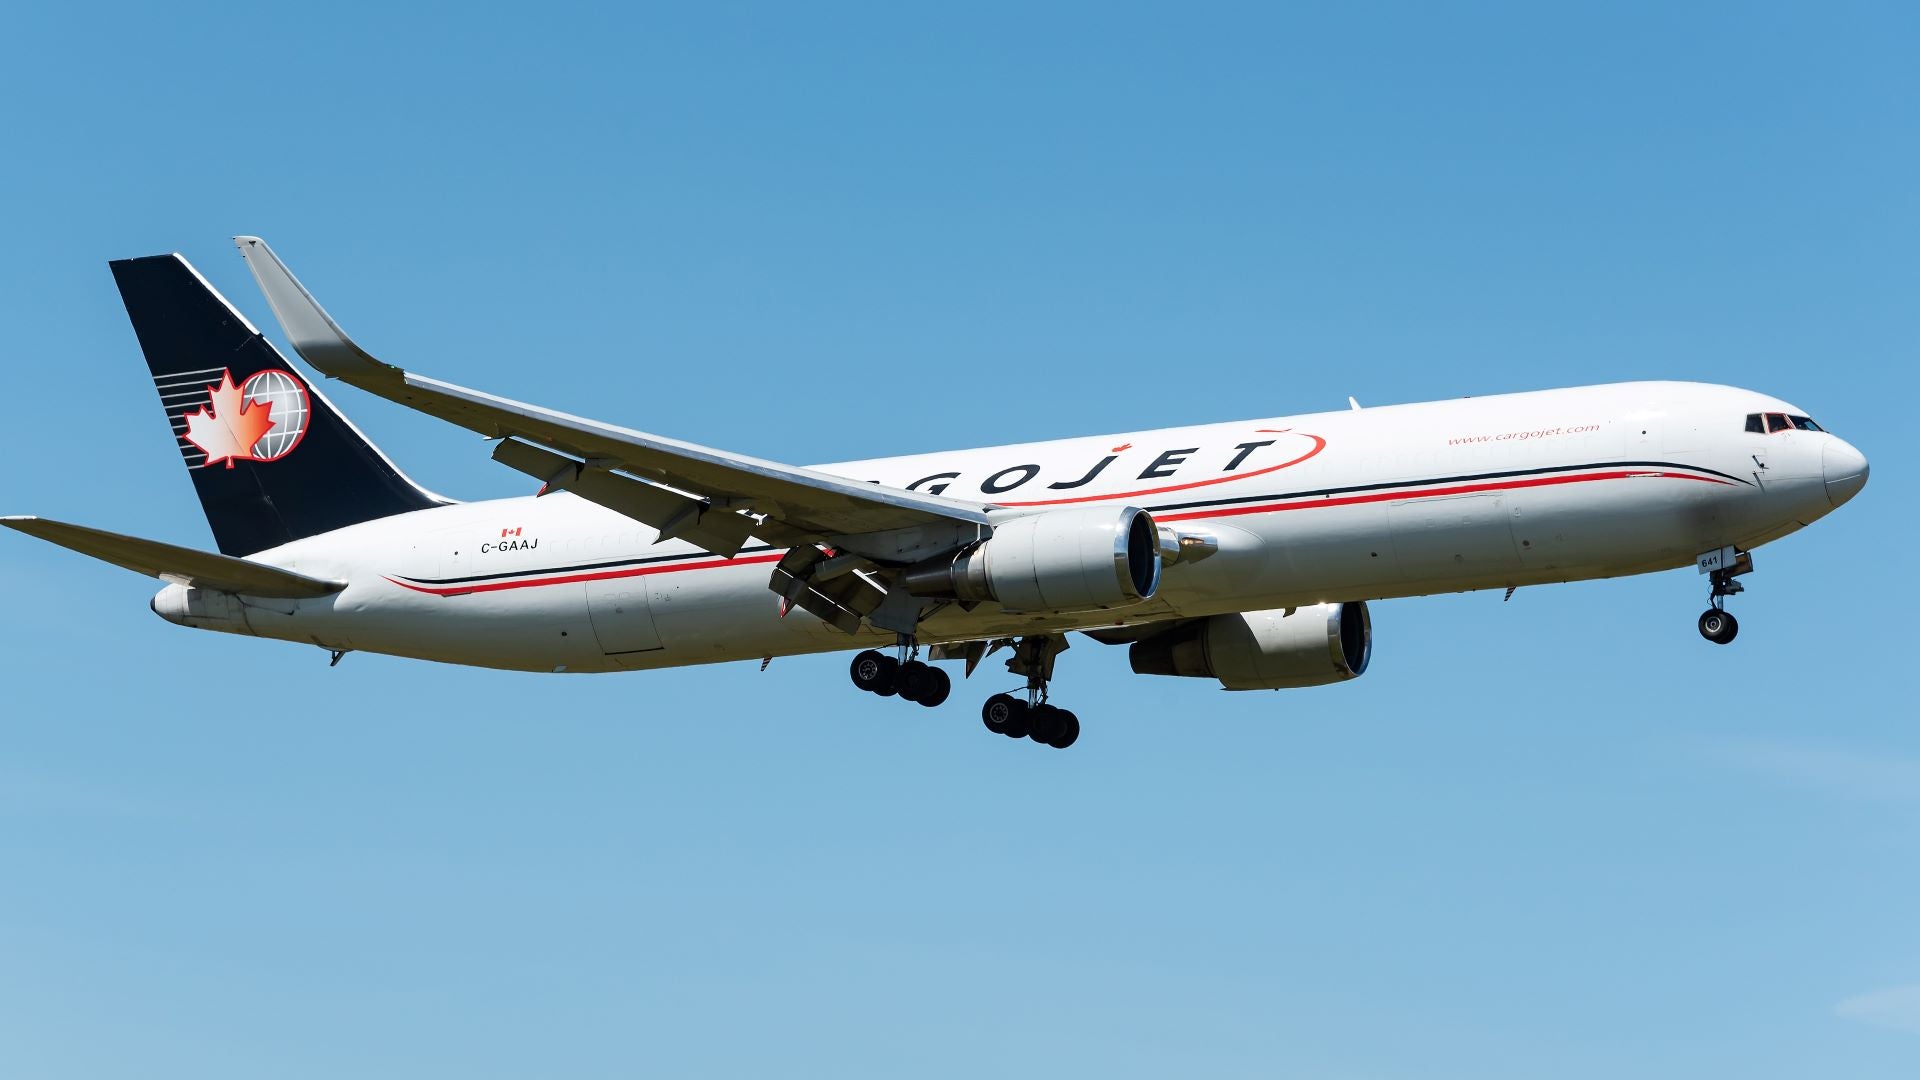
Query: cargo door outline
x=622, y=615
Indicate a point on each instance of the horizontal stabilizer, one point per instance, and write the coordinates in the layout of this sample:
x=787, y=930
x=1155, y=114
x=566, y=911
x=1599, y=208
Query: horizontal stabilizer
x=182, y=566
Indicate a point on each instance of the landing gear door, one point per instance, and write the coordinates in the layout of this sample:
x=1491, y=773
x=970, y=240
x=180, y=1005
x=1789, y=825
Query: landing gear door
x=622, y=615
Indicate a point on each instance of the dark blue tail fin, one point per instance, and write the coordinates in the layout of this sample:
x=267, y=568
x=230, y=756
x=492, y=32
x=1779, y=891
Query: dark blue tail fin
x=271, y=459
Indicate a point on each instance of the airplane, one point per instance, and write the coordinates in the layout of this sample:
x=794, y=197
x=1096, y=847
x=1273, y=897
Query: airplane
x=1243, y=553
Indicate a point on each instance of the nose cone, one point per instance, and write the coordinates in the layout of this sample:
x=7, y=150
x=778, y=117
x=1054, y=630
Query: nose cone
x=1845, y=469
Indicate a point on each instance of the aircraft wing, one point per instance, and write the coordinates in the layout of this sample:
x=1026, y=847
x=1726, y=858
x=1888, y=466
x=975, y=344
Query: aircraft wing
x=168, y=562
x=695, y=492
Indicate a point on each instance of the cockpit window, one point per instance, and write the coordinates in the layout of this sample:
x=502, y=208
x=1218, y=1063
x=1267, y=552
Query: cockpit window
x=1773, y=423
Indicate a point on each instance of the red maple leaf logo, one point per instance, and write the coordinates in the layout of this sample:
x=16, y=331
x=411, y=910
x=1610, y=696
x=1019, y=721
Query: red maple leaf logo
x=226, y=428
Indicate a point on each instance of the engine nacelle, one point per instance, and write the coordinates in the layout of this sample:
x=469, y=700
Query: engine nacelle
x=1264, y=650
x=1082, y=559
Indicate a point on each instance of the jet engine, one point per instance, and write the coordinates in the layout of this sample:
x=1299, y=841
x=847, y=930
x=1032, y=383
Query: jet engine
x=1264, y=650
x=1082, y=559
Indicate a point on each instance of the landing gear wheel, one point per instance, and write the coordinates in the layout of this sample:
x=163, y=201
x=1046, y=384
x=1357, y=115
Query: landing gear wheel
x=866, y=669
x=1066, y=730
x=915, y=681
x=939, y=685
x=890, y=680
x=874, y=672
x=1006, y=715
x=1718, y=626
x=1044, y=725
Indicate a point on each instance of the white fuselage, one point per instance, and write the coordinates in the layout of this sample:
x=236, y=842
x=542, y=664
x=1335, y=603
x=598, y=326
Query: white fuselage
x=1402, y=500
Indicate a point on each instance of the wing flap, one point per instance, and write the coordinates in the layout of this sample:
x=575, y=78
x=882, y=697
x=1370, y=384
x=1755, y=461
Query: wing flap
x=169, y=562
x=698, y=521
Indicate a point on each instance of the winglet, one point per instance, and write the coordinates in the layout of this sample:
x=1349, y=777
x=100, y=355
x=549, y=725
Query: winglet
x=312, y=332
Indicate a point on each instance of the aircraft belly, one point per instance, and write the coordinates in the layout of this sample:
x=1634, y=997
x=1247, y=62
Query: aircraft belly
x=546, y=629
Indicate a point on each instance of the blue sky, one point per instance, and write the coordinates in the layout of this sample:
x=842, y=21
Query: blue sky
x=1560, y=836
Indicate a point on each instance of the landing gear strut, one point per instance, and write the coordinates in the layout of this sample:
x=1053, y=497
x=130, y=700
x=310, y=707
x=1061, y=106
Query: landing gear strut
x=1717, y=624
x=1029, y=716
x=878, y=673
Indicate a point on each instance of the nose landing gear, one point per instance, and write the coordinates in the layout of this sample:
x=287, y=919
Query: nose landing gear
x=1717, y=624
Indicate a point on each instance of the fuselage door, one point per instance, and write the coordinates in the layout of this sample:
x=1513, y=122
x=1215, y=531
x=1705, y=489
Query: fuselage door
x=622, y=615
x=1777, y=427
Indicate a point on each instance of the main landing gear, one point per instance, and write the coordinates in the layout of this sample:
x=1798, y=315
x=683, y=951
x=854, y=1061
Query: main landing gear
x=1028, y=716
x=1717, y=624
x=921, y=683
x=1018, y=716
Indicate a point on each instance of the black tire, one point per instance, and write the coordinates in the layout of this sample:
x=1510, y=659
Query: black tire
x=889, y=684
x=1043, y=723
x=867, y=668
x=915, y=681
x=1719, y=627
x=1005, y=714
x=1069, y=731
x=941, y=686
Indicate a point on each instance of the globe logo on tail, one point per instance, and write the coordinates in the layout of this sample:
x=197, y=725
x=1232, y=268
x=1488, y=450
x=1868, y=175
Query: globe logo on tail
x=262, y=419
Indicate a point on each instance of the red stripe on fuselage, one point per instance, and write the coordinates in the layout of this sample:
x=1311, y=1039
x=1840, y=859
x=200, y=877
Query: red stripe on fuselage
x=1458, y=489
x=568, y=579
x=1226, y=511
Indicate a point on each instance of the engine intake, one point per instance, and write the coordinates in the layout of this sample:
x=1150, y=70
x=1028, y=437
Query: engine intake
x=1082, y=559
x=1264, y=650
